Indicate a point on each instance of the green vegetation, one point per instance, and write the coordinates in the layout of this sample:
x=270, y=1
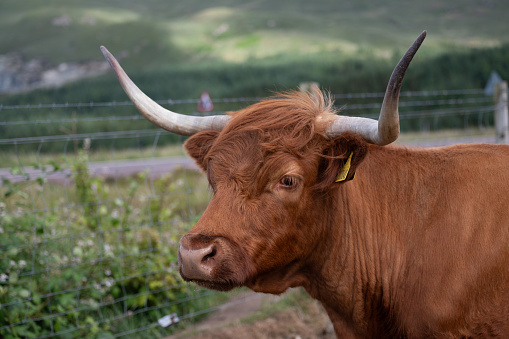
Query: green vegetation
x=157, y=33
x=95, y=250
x=29, y=157
x=241, y=49
x=460, y=70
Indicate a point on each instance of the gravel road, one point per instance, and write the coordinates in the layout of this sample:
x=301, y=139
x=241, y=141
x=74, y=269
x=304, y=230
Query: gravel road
x=109, y=169
x=161, y=166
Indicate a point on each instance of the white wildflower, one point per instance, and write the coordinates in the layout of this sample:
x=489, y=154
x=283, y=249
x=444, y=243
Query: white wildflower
x=109, y=282
x=12, y=263
x=22, y=263
x=107, y=272
x=108, y=250
x=3, y=277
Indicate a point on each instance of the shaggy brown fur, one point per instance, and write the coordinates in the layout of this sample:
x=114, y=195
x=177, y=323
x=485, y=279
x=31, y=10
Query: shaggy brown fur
x=415, y=246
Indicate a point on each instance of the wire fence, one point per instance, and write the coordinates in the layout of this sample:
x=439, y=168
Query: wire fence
x=91, y=211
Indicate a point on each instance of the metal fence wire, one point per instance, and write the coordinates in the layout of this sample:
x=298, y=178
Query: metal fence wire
x=94, y=200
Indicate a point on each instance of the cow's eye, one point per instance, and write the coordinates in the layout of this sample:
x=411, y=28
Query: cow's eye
x=288, y=182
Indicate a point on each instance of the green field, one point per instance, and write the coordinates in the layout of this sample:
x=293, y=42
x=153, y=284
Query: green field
x=468, y=69
x=247, y=48
x=242, y=49
x=158, y=33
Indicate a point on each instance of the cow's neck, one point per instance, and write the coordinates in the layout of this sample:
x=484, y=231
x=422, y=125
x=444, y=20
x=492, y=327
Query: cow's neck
x=369, y=252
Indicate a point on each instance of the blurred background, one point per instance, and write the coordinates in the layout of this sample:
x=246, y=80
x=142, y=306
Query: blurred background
x=93, y=198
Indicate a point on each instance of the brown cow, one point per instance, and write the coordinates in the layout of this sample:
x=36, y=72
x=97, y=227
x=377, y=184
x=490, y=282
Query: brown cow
x=394, y=242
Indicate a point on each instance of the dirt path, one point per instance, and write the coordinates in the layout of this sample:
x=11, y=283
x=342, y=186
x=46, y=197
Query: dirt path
x=108, y=169
x=260, y=316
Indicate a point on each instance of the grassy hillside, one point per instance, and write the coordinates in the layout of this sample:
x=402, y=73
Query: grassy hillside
x=245, y=49
x=156, y=33
x=465, y=70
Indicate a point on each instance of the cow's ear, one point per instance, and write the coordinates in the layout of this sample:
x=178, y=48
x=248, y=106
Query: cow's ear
x=198, y=146
x=340, y=159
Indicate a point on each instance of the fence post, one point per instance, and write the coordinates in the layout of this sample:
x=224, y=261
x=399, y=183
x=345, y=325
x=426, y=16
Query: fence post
x=501, y=113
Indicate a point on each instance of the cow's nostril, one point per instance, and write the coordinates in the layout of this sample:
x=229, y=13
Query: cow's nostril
x=210, y=255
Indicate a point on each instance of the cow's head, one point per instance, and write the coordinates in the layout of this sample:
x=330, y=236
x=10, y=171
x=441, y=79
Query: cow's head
x=267, y=165
x=266, y=168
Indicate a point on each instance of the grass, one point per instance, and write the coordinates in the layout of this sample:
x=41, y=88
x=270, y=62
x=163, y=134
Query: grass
x=469, y=70
x=30, y=158
x=156, y=34
x=444, y=134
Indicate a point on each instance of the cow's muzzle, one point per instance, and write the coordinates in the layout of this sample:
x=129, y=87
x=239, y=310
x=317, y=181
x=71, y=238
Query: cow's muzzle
x=198, y=257
x=213, y=262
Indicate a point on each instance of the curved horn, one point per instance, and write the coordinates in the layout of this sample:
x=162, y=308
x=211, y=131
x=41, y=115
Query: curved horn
x=158, y=115
x=386, y=129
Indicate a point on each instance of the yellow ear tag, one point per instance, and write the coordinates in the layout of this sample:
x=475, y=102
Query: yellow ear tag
x=346, y=168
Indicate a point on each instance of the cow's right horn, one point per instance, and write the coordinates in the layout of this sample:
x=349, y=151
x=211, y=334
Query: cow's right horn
x=160, y=116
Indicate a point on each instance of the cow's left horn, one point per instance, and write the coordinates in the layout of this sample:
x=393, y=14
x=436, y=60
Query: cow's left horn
x=158, y=115
x=386, y=129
